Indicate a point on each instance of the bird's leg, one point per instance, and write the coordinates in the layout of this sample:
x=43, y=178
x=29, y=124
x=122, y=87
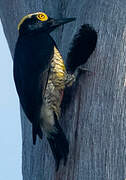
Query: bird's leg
x=70, y=79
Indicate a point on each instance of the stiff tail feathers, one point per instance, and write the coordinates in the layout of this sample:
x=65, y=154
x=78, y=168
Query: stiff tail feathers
x=59, y=145
x=83, y=45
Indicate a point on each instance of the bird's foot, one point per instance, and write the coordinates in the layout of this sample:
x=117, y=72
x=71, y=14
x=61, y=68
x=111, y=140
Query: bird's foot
x=82, y=69
x=70, y=80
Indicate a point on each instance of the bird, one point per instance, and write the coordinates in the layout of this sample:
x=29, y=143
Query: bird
x=40, y=77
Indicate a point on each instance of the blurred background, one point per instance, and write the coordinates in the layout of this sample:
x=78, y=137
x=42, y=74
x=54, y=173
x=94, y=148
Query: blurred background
x=10, y=124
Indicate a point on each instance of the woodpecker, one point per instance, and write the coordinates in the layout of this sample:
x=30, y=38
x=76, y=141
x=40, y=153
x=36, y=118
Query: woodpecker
x=40, y=77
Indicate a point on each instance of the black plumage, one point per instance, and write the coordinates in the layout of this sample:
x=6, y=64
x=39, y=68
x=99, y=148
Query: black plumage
x=83, y=45
x=41, y=77
x=39, y=82
x=30, y=60
x=59, y=145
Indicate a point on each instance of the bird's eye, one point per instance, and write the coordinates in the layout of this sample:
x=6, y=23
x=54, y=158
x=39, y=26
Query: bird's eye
x=42, y=17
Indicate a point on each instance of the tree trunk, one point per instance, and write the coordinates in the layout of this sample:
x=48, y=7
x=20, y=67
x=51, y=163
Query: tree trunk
x=95, y=121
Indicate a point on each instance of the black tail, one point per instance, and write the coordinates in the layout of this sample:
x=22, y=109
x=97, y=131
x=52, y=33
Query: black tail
x=59, y=145
x=83, y=45
x=35, y=132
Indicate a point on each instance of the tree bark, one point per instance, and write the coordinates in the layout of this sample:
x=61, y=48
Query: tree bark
x=95, y=121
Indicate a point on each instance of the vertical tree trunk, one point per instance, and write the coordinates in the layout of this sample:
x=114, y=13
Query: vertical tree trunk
x=95, y=122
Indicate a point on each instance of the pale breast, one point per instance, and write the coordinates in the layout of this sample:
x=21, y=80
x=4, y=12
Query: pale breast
x=56, y=83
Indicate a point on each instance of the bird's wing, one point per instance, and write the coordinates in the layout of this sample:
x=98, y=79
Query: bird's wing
x=83, y=45
x=31, y=70
x=25, y=96
x=44, y=80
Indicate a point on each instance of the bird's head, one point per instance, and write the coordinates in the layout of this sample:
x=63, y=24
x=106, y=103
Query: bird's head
x=40, y=22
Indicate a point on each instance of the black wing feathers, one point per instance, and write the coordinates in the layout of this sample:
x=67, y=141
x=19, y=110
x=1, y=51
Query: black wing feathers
x=31, y=60
x=83, y=45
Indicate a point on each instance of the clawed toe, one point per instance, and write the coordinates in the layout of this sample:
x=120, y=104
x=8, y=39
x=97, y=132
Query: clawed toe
x=82, y=69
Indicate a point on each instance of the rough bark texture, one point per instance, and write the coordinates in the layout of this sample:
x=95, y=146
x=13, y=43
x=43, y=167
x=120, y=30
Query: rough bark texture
x=96, y=119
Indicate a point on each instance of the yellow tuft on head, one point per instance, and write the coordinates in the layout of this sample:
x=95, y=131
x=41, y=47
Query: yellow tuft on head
x=40, y=15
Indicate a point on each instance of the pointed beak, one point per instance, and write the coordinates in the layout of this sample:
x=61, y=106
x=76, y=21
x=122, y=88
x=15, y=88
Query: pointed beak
x=54, y=23
x=58, y=22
